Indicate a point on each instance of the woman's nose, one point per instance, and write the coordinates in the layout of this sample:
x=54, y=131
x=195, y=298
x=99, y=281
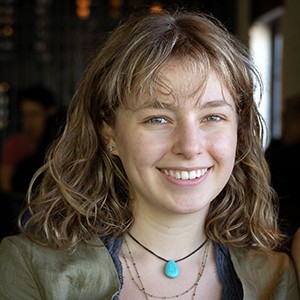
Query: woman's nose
x=189, y=140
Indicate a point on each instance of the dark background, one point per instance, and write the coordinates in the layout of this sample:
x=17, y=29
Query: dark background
x=45, y=41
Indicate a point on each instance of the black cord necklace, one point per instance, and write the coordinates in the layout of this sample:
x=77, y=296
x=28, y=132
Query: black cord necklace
x=171, y=269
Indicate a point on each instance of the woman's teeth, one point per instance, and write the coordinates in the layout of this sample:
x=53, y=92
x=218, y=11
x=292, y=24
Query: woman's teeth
x=185, y=175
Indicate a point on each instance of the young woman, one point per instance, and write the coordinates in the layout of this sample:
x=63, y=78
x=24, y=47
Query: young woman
x=158, y=187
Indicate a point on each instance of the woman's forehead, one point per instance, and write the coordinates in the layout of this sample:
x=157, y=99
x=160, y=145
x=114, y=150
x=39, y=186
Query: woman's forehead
x=176, y=85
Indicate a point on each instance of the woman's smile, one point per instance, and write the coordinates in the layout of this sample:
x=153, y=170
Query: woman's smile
x=187, y=142
x=185, y=178
x=185, y=175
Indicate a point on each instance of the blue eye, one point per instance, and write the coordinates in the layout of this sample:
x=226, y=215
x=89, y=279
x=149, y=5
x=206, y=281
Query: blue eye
x=213, y=118
x=157, y=120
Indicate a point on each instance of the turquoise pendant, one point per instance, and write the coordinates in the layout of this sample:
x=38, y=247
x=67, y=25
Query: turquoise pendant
x=171, y=269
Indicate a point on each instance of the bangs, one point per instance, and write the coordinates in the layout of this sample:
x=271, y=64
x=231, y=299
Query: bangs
x=152, y=87
x=135, y=66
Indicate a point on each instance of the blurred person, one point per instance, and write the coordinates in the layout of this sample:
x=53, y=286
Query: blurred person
x=284, y=160
x=296, y=252
x=26, y=168
x=35, y=105
x=12, y=203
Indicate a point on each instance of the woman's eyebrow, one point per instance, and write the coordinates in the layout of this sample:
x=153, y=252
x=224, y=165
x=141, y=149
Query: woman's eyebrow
x=156, y=104
x=215, y=103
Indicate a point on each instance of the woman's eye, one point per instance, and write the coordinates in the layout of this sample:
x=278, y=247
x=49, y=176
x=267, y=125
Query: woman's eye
x=213, y=118
x=157, y=120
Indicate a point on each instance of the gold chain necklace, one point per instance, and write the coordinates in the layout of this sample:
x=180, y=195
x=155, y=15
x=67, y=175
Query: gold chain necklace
x=141, y=287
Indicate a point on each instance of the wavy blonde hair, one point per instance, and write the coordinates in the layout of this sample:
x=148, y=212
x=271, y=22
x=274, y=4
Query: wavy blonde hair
x=84, y=190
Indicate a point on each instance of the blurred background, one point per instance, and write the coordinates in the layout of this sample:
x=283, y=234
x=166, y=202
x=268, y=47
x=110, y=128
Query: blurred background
x=46, y=44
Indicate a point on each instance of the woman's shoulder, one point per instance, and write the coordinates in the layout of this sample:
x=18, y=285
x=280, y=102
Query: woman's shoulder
x=49, y=270
x=21, y=245
x=265, y=273
x=267, y=262
x=256, y=254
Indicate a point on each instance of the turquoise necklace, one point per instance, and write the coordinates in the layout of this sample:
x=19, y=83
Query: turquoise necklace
x=171, y=268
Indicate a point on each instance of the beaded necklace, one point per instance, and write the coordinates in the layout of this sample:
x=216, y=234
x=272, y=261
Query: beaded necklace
x=141, y=287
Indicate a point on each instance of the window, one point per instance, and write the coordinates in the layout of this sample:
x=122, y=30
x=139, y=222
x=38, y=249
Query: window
x=266, y=45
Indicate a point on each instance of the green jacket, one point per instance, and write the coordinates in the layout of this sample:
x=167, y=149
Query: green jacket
x=29, y=271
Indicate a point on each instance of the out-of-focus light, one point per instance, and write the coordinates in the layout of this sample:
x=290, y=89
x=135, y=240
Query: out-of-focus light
x=83, y=9
x=156, y=8
x=4, y=86
x=7, y=30
x=115, y=8
x=83, y=13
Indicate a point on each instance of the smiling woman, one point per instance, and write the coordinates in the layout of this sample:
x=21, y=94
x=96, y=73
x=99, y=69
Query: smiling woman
x=160, y=147
x=158, y=186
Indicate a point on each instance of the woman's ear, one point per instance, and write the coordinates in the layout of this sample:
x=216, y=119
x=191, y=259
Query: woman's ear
x=108, y=135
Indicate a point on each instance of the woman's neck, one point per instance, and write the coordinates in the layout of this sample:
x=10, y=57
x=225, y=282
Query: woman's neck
x=161, y=233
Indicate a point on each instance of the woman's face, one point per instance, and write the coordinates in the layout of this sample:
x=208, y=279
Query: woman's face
x=180, y=156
